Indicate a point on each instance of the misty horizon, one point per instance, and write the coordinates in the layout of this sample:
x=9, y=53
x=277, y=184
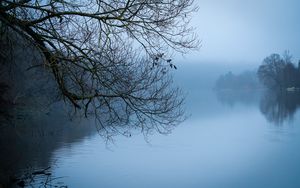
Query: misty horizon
x=240, y=32
x=150, y=94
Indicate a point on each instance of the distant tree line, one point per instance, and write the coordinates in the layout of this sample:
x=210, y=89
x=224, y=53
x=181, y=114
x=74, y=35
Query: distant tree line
x=279, y=72
x=276, y=72
x=245, y=80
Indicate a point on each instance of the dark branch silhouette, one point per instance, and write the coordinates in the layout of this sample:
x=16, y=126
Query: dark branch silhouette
x=108, y=58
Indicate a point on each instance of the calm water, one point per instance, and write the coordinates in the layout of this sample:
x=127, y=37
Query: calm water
x=244, y=139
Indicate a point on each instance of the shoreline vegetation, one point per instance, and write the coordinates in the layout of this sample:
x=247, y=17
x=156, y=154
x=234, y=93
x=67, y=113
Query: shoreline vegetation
x=276, y=73
x=276, y=83
x=244, y=81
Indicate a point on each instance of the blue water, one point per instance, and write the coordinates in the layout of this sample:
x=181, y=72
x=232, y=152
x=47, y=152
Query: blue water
x=231, y=139
x=222, y=144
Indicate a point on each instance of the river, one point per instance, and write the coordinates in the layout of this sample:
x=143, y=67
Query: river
x=231, y=139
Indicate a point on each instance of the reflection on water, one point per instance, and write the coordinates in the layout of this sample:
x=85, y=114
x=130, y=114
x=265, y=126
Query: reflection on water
x=227, y=142
x=29, y=140
x=231, y=97
x=277, y=107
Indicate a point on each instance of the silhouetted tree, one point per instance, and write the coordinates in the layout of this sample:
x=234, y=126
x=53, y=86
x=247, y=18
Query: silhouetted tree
x=270, y=72
x=290, y=75
x=108, y=57
x=278, y=72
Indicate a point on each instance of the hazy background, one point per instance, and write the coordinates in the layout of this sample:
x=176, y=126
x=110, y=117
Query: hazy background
x=244, y=32
x=215, y=147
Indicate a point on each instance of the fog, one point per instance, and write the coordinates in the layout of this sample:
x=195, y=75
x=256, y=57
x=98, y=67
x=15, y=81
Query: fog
x=244, y=32
x=238, y=136
x=202, y=75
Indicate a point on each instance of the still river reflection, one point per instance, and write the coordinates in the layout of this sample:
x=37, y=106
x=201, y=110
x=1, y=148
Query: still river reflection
x=245, y=139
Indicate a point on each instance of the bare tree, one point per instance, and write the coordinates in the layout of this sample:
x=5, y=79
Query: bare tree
x=278, y=71
x=109, y=58
x=270, y=73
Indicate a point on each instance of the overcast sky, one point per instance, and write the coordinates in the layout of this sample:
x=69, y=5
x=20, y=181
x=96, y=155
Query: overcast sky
x=246, y=31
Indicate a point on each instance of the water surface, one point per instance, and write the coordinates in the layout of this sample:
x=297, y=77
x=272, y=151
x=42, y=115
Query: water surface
x=232, y=139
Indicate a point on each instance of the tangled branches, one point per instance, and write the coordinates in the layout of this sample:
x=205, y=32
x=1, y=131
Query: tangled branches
x=108, y=57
